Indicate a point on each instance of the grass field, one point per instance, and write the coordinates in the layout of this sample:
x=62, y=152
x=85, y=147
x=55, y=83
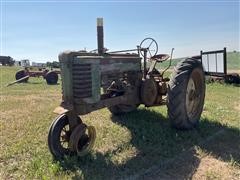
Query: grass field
x=137, y=145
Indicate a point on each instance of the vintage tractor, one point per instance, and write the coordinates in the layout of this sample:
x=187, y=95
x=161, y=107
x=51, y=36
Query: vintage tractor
x=23, y=75
x=121, y=81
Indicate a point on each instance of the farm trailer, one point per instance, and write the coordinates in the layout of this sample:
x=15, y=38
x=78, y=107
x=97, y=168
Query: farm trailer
x=121, y=82
x=215, y=66
x=23, y=75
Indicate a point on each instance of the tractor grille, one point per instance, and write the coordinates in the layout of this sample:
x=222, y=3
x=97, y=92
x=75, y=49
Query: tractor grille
x=82, y=80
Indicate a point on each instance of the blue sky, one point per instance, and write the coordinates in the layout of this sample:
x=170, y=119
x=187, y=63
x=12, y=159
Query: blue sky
x=41, y=30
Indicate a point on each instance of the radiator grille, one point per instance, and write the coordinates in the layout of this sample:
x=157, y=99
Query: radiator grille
x=82, y=80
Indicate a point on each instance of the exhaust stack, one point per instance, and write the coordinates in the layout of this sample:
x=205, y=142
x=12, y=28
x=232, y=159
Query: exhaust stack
x=100, y=35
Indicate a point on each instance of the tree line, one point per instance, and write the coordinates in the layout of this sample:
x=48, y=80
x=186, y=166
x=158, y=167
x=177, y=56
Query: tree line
x=54, y=64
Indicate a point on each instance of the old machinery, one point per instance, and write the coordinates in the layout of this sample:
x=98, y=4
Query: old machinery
x=121, y=81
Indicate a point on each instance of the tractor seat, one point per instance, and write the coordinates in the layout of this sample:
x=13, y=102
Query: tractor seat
x=160, y=57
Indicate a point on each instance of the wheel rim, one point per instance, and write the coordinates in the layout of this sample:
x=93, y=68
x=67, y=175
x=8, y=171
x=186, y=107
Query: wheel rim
x=86, y=142
x=193, y=95
x=82, y=139
x=64, y=137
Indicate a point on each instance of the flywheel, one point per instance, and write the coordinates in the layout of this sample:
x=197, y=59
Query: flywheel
x=149, y=92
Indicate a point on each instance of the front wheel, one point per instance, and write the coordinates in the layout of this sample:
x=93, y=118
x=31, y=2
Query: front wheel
x=186, y=94
x=59, y=136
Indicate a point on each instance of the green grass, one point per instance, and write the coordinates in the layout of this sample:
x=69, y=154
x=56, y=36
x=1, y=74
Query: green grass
x=233, y=60
x=125, y=145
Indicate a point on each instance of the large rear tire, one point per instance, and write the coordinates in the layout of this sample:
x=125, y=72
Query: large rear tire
x=186, y=94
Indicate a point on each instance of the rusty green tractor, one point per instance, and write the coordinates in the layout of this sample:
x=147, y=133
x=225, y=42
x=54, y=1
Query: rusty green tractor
x=121, y=81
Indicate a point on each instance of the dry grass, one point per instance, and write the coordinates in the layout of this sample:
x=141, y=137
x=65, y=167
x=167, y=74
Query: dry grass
x=212, y=168
x=234, y=71
x=125, y=145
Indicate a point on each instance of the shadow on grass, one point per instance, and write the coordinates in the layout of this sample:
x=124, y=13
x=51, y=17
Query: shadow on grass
x=158, y=146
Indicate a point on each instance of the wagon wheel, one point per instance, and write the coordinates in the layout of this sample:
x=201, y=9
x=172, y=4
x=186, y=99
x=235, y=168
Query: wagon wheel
x=186, y=94
x=151, y=45
x=58, y=137
x=51, y=77
x=82, y=139
x=20, y=74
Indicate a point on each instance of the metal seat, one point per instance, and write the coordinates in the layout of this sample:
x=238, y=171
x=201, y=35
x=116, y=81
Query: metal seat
x=160, y=57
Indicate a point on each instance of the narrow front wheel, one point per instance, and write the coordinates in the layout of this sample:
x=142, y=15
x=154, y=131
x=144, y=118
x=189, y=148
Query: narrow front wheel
x=58, y=137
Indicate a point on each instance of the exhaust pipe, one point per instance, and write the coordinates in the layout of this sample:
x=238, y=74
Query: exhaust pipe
x=100, y=35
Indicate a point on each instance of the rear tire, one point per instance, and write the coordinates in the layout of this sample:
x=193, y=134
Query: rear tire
x=51, y=78
x=20, y=74
x=186, y=94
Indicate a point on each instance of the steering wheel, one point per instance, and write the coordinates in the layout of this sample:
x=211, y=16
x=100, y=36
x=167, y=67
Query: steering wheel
x=151, y=45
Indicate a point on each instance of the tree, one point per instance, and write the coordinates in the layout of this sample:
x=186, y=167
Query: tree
x=55, y=64
x=49, y=64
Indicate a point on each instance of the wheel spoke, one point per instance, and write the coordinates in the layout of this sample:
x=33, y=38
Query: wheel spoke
x=144, y=45
x=150, y=44
x=62, y=141
x=150, y=53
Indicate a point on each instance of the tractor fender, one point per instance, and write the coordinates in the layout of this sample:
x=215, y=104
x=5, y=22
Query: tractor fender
x=63, y=108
